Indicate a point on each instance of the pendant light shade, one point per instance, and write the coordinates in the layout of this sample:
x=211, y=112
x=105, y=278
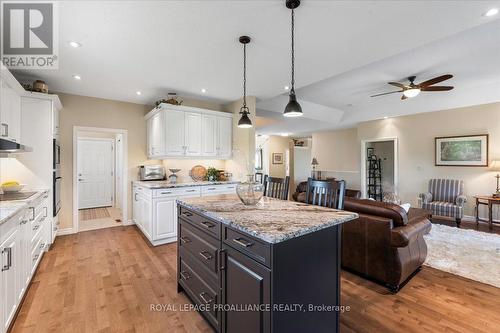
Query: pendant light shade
x=293, y=108
x=244, y=121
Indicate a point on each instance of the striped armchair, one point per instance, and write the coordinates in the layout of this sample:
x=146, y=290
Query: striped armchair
x=445, y=198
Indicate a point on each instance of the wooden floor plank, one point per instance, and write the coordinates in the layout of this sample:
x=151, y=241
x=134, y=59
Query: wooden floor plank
x=106, y=280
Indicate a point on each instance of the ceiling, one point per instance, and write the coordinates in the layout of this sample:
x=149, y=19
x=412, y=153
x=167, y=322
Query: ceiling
x=345, y=51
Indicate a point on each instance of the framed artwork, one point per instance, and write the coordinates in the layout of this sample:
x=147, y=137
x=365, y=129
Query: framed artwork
x=467, y=150
x=277, y=158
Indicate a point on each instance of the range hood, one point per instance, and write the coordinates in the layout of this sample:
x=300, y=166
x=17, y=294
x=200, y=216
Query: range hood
x=11, y=147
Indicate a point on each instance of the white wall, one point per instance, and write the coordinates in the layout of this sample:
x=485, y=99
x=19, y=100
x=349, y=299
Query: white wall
x=301, y=164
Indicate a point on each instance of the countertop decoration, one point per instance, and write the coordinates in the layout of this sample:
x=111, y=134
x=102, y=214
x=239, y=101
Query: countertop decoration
x=212, y=174
x=271, y=220
x=250, y=192
x=198, y=173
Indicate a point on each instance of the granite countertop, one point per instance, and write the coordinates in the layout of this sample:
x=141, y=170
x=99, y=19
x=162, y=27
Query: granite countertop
x=10, y=208
x=271, y=220
x=152, y=184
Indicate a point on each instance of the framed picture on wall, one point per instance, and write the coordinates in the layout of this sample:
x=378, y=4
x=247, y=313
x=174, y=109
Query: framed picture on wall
x=467, y=150
x=277, y=158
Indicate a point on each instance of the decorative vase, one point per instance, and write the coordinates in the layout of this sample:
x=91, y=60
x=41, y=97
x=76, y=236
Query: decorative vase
x=250, y=191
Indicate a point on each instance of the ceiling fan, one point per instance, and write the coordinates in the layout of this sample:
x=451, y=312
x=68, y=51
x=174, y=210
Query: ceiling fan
x=412, y=89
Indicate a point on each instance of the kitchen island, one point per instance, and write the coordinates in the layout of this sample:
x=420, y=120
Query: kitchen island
x=274, y=267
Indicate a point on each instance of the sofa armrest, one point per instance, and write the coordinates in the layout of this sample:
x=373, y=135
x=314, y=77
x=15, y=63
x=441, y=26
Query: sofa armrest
x=461, y=200
x=402, y=236
x=425, y=197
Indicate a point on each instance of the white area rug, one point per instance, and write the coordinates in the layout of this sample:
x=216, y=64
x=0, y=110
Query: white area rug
x=468, y=253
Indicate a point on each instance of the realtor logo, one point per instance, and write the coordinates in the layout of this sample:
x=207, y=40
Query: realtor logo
x=29, y=35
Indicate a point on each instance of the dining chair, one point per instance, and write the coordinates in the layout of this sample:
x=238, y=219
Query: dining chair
x=259, y=177
x=326, y=193
x=275, y=187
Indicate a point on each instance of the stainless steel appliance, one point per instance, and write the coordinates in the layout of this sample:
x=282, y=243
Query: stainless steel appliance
x=56, y=156
x=12, y=147
x=151, y=172
x=56, y=186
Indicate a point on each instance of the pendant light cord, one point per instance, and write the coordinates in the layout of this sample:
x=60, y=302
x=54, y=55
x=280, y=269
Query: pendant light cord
x=293, y=51
x=244, y=76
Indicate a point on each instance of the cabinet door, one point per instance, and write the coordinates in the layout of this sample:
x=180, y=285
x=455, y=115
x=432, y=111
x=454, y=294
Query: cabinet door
x=164, y=219
x=156, y=137
x=244, y=281
x=209, y=135
x=146, y=215
x=136, y=208
x=174, y=133
x=193, y=134
x=225, y=137
x=9, y=251
x=10, y=113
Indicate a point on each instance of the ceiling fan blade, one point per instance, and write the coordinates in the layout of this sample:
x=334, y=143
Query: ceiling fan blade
x=435, y=80
x=403, y=97
x=397, y=84
x=437, y=88
x=387, y=93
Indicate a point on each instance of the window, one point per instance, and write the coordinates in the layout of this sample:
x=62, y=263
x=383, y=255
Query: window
x=258, y=159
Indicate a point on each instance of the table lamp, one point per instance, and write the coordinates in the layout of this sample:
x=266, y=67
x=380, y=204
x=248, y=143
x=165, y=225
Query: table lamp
x=495, y=166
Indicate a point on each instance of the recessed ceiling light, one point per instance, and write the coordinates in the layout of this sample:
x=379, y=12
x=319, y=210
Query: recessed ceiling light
x=287, y=87
x=77, y=77
x=491, y=12
x=138, y=92
x=386, y=117
x=75, y=44
x=203, y=90
x=284, y=134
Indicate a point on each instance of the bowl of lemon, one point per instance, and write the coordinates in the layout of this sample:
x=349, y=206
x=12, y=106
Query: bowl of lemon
x=12, y=186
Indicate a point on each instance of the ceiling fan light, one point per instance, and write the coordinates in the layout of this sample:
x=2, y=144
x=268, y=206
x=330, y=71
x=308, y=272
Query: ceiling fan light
x=244, y=121
x=293, y=108
x=412, y=92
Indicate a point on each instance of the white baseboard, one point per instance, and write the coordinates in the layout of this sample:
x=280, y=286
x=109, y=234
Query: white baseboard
x=129, y=222
x=66, y=231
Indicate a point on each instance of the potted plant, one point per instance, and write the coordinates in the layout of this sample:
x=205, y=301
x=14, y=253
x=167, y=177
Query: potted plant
x=212, y=174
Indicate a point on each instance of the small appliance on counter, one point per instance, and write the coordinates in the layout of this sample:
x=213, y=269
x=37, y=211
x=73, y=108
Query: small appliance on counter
x=173, y=177
x=151, y=172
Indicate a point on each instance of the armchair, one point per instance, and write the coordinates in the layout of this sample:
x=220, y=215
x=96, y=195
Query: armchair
x=445, y=197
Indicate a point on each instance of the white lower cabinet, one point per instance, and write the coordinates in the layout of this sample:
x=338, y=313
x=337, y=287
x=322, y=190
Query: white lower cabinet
x=155, y=211
x=23, y=240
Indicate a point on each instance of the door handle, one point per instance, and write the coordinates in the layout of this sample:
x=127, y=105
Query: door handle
x=7, y=250
x=242, y=242
x=222, y=259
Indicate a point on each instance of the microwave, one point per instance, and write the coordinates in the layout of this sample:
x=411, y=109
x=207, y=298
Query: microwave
x=56, y=154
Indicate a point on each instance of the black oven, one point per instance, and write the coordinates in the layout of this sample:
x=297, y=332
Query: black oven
x=56, y=186
x=56, y=148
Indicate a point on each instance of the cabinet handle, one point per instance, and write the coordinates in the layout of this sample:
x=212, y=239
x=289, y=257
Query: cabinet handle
x=166, y=192
x=222, y=259
x=32, y=213
x=36, y=227
x=135, y=197
x=211, y=189
x=46, y=212
x=206, y=255
x=188, y=214
x=35, y=257
x=185, y=276
x=185, y=240
x=42, y=245
x=7, y=250
x=190, y=190
x=6, y=130
x=23, y=222
x=242, y=242
x=206, y=300
x=207, y=224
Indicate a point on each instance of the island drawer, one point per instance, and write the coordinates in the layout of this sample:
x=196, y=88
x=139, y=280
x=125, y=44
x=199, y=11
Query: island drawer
x=254, y=248
x=209, y=226
x=200, y=292
x=203, y=247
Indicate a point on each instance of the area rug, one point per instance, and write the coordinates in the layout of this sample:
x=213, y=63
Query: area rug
x=468, y=253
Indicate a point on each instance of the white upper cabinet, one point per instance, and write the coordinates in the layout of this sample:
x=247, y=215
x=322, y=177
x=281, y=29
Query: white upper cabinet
x=225, y=137
x=174, y=133
x=156, y=135
x=10, y=111
x=209, y=135
x=179, y=131
x=192, y=132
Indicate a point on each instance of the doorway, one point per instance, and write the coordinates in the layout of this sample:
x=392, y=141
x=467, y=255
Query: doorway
x=99, y=190
x=379, y=169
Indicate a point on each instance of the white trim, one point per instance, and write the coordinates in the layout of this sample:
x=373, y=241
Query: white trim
x=76, y=130
x=363, y=163
x=65, y=231
x=165, y=106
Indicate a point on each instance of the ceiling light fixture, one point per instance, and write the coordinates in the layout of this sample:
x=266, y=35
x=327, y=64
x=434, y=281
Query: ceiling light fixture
x=491, y=12
x=386, y=117
x=203, y=90
x=77, y=77
x=287, y=87
x=138, y=93
x=244, y=121
x=293, y=108
x=412, y=92
x=75, y=44
x=284, y=134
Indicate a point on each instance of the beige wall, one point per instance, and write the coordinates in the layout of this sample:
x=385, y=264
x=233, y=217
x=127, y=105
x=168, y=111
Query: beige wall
x=338, y=152
x=96, y=112
x=416, y=135
x=275, y=144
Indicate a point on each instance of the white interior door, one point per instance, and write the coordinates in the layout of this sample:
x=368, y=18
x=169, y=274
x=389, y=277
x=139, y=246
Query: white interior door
x=95, y=173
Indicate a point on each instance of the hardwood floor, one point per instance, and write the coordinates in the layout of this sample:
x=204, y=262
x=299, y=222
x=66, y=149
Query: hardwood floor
x=468, y=224
x=106, y=280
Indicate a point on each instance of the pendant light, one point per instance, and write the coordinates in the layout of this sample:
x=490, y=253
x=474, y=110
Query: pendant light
x=293, y=108
x=244, y=121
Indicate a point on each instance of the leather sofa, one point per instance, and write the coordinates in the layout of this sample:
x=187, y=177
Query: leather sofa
x=384, y=244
